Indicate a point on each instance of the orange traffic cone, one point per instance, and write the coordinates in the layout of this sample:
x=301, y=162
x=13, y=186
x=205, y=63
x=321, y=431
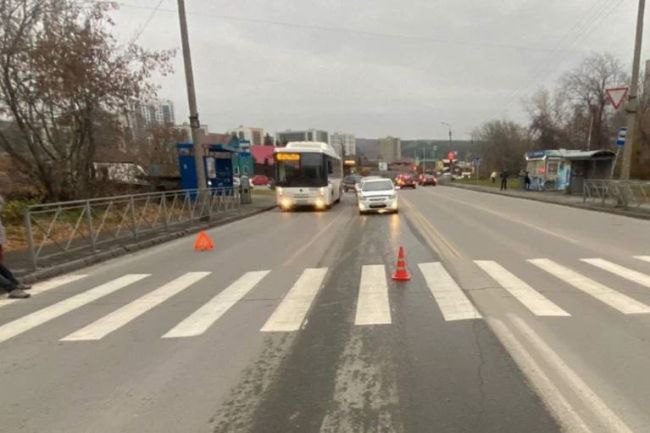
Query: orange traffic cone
x=401, y=273
x=203, y=242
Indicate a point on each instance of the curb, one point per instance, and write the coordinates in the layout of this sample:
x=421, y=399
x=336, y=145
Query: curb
x=122, y=250
x=613, y=211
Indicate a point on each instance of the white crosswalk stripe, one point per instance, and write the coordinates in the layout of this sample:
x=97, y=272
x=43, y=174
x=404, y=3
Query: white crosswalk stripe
x=614, y=299
x=623, y=272
x=644, y=258
x=291, y=313
x=452, y=302
x=45, y=286
x=209, y=313
x=51, y=312
x=373, y=307
x=524, y=293
x=118, y=318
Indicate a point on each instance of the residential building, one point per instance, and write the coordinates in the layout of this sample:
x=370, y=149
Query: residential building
x=390, y=149
x=156, y=112
x=282, y=138
x=186, y=131
x=254, y=135
x=344, y=144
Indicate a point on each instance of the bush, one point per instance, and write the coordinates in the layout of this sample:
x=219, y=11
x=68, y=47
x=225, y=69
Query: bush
x=13, y=211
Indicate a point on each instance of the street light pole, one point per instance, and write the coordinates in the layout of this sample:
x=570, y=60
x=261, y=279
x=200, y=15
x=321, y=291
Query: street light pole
x=448, y=126
x=633, y=102
x=195, y=125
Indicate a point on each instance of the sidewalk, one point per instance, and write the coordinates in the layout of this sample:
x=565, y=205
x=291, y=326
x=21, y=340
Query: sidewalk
x=559, y=198
x=20, y=262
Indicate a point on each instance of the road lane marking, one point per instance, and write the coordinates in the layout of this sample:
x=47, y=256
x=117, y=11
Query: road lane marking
x=451, y=300
x=120, y=317
x=599, y=408
x=290, y=314
x=208, y=314
x=550, y=394
x=623, y=272
x=529, y=297
x=614, y=299
x=644, y=258
x=46, y=314
x=46, y=286
x=373, y=307
x=434, y=238
x=314, y=238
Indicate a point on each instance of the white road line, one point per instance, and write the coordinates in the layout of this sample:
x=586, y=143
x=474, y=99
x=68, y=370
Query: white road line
x=291, y=312
x=46, y=314
x=199, y=321
x=621, y=271
x=120, y=317
x=44, y=286
x=373, y=307
x=599, y=408
x=644, y=258
x=450, y=298
x=550, y=394
x=619, y=301
x=529, y=297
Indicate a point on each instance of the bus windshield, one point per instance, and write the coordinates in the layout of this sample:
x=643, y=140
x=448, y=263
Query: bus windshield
x=307, y=170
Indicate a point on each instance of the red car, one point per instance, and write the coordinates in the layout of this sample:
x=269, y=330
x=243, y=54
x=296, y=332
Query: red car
x=428, y=179
x=260, y=180
x=405, y=181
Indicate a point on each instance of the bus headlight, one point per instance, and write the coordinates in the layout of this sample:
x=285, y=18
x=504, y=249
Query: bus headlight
x=320, y=204
x=322, y=191
x=285, y=203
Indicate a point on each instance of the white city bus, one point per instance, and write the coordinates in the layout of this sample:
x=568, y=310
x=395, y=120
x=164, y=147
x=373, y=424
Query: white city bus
x=307, y=173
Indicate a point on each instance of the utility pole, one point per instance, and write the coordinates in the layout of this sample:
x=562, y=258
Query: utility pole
x=448, y=126
x=195, y=125
x=633, y=103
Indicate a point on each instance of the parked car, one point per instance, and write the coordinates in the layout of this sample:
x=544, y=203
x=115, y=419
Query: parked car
x=350, y=182
x=377, y=195
x=405, y=180
x=261, y=180
x=428, y=179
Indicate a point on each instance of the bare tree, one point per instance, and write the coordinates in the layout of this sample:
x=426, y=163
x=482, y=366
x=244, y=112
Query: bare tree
x=586, y=87
x=504, y=144
x=63, y=76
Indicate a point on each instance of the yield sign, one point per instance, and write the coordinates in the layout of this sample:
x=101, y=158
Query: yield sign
x=616, y=96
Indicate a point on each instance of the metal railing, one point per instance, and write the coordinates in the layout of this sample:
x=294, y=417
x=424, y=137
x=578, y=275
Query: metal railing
x=64, y=228
x=617, y=193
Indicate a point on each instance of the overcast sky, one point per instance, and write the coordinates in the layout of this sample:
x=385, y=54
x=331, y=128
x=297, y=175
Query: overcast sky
x=375, y=67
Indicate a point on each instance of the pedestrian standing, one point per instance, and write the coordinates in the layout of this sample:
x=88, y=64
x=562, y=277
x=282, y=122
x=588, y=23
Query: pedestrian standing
x=493, y=176
x=504, y=180
x=8, y=282
x=527, y=181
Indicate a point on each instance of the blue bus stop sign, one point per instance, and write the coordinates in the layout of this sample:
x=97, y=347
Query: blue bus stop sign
x=621, y=136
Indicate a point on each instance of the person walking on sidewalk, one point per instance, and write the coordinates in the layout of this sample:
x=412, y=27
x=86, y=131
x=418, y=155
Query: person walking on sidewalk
x=8, y=282
x=493, y=176
x=504, y=180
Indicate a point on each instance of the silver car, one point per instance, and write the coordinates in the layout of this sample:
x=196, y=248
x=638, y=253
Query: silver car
x=377, y=195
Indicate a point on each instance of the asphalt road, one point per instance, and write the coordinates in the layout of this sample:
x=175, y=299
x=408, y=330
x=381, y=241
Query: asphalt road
x=292, y=324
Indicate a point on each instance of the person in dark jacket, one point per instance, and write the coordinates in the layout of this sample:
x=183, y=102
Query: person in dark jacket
x=504, y=180
x=8, y=282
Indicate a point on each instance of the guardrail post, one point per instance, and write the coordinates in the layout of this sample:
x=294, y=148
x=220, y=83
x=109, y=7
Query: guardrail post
x=164, y=210
x=30, y=239
x=133, y=220
x=89, y=221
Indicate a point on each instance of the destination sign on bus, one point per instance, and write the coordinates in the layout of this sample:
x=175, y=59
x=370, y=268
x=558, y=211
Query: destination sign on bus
x=287, y=156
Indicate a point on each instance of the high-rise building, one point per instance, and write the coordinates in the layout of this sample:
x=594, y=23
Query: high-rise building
x=390, y=149
x=156, y=113
x=344, y=144
x=282, y=138
x=254, y=135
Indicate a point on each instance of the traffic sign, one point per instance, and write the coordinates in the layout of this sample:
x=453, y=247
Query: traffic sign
x=451, y=155
x=477, y=161
x=616, y=96
x=621, y=136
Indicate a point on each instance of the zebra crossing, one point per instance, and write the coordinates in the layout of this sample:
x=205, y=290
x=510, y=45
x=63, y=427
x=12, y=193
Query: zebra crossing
x=291, y=312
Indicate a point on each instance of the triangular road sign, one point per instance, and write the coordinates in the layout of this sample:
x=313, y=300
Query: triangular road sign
x=616, y=96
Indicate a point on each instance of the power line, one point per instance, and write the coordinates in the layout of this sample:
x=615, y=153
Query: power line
x=147, y=22
x=348, y=30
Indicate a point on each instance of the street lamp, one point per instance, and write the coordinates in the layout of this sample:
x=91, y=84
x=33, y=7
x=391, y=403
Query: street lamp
x=449, y=127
